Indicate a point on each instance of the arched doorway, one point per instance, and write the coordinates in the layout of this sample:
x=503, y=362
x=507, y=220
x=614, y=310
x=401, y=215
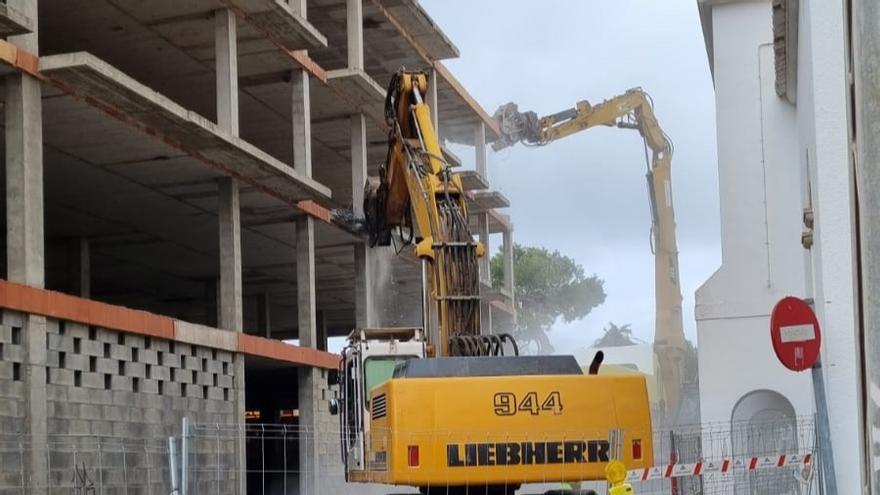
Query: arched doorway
x=764, y=422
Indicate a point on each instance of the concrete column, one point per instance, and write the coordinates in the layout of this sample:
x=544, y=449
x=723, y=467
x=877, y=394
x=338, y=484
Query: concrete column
x=486, y=318
x=226, y=48
x=321, y=331
x=309, y=378
x=229, y=293
x=432, y=101
x=484, y=262
x=301, y=122
x=509, y=282
x=358, y=162
x=482, y=162
x=264, y=315
x=364, y=300
x=79, y=273
x=305, y=280
x=231, y=314
x=25, y=249
x=355, y=26
x=363, y=268
x=211, y=296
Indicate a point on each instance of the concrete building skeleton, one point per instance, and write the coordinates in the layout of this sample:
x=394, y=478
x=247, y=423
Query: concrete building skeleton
x=181, y=158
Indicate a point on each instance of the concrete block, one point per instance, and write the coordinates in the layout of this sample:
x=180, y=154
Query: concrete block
x=11, y=408
x=77, y=362
x=205, y=336
x=52, y=326
x=215, y=393
x=193, y=363
x=215, y=366
x=160, y=373
x=82, y=395
x=10, y=425
x=92, y=380
x=60, y=377
x=225, y=357
x=108, y=336
x=135, y=370
x=107, y=366
x=149, y=386
x=170, y=359
x=224, y=381
x=5, y=371
x=171, y=389
x=58, y=393
x=120, y=352
x=134, y=340
x=13, y=353
x=59, y=342
x=180, y=403
x=135, y=415
x=91, y=347
x=114, y=413
x=204, y=379
x=159, y=345
x=58, y=426
x=120, y=383
x=149, y=356
x=102, y=428
x=13, y=318
x=74, y=329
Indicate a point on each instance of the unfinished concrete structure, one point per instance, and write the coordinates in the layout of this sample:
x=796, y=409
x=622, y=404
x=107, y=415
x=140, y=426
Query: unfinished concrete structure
x=170, y=170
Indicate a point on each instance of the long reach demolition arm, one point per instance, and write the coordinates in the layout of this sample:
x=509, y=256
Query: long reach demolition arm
x=631, y=110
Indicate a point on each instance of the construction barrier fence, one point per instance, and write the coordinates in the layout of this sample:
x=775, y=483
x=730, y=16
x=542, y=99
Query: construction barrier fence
x=767, y=456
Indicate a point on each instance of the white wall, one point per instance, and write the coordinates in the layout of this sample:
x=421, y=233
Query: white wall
x=802, y=152
x=760, y=187
x=822, y=115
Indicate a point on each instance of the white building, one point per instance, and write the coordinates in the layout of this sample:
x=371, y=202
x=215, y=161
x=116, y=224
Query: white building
x=779, y=69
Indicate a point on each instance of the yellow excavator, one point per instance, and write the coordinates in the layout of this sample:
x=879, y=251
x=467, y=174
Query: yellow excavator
x=631, y=110
x=445, y=408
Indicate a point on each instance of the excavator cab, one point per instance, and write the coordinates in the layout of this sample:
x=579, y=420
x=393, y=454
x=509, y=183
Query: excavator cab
x=368, y=360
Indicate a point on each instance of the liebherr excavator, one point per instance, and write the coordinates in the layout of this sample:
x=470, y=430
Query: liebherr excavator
x=631, y=110
x=442, y=408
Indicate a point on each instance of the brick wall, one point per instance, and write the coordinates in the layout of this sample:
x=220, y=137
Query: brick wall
x=113, y=399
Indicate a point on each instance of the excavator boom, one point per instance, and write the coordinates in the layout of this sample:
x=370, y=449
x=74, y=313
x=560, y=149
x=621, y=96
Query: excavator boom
x=631, y=110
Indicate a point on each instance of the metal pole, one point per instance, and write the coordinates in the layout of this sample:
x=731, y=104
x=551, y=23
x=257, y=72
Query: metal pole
x=826, y=454
x=172, y=465
x=184, y=457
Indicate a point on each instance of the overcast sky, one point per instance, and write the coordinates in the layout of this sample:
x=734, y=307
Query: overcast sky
x=586, y=195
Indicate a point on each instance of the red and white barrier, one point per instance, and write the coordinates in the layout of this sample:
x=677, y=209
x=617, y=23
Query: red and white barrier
x=722, y=466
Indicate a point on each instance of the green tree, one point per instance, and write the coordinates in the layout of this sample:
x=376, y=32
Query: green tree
x=616, y=336
x=549, y=286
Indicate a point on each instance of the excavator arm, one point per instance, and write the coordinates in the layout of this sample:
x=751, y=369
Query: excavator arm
x=418, y=193
x=631, y=110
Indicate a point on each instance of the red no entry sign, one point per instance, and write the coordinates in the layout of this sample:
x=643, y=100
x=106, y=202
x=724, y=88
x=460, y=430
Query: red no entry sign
x=794, y=330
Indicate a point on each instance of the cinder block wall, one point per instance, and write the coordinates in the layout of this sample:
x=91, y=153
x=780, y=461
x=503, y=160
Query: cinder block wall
x=113, y=399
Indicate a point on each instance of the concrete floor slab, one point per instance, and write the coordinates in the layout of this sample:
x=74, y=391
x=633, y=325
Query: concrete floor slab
x=418, y=24
x=361, y=91
x=101, y=84
x=482, y=201
x=13, y=22
x=472, y=180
